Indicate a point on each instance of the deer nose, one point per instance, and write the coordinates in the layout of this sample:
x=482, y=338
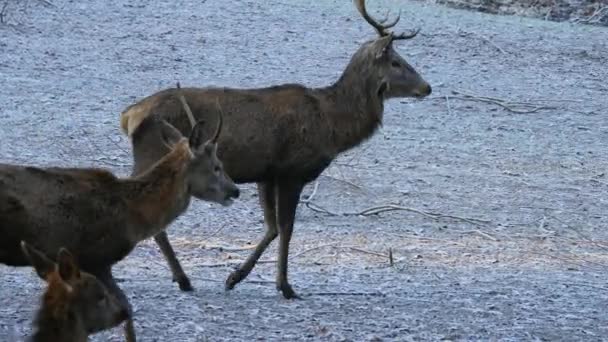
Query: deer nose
x=428, y=90
x=235, y=193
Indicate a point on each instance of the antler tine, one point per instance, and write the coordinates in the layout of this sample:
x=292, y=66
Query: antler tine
x=392, y=23
x=410, y=35
x=182, y=99
x=360, y=4
x=220, y=121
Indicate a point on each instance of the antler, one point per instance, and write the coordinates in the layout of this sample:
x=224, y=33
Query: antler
x=382, y=28
x=182, y=99
x=220, y=120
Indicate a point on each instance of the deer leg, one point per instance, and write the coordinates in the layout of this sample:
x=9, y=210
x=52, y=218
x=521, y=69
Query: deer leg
x=287, y=198
x=266, y=194
x=176, y=269
x=107, y=279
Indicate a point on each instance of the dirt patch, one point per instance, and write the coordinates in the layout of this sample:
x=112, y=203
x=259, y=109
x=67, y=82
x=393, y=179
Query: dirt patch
x=593, y=12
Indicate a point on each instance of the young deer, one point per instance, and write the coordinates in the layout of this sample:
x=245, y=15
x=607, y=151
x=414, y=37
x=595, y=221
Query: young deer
x=101, y=218
x=283, y=137
x=75, y=303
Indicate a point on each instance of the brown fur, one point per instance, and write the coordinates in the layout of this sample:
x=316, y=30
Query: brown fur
x=99, y=217
x=75, y=303
x=281, y=137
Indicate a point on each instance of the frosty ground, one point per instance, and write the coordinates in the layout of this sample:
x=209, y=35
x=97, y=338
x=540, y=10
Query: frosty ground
x=521, y=253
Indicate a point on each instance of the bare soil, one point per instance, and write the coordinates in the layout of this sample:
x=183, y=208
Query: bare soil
x=510, y=149
x=594, y=12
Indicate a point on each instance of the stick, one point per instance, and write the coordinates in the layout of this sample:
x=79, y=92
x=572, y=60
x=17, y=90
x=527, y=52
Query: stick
x=375, y=294
x=312, y=194
x=479, y=232
x=526, y=108
x=393, y=207
x=368, y=252
x=447, y=102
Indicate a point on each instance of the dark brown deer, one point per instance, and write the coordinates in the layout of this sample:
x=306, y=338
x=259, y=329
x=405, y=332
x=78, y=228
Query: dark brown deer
x=75, y=304
x=283, y=137
x=101, y=218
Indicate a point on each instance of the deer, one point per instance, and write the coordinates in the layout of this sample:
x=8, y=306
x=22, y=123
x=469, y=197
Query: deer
x=283, y=137
x=75, y=304
x=100, y=217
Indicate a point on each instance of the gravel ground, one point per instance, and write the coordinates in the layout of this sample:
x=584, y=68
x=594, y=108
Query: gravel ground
x=532, y=268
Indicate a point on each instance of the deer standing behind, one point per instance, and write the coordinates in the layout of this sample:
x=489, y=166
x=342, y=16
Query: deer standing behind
x=101, y=218
x=283, y=137
x=75, y=303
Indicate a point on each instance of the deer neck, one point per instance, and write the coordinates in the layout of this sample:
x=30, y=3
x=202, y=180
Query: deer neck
x=356, y=108
x=160, y=194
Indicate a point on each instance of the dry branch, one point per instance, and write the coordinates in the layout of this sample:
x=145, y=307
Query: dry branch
x=374, y=294
x=393, y=207
x=511, y=106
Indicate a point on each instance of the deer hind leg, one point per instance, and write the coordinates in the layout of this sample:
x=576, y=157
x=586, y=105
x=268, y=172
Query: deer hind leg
x=107, y=279
x=266, y=192
x=176, y=269
x=287, y=198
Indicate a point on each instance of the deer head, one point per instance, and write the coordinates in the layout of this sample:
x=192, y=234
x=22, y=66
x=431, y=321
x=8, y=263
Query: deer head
x=395, y=77
x=205, y=174
x=80, y=294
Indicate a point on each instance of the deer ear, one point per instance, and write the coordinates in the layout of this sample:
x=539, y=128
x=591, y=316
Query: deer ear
x=42, y=264
x=169, y=134
x=382, y=45
x=68, y=270
x=196, y=136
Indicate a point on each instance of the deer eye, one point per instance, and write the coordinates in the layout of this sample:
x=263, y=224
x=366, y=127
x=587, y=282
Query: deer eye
x=217, y=169
x=396, y=64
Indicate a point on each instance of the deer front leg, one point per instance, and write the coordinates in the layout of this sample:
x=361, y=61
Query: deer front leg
x=176, y=269
x=287, y=198
x=266, y=194
x=105, y=276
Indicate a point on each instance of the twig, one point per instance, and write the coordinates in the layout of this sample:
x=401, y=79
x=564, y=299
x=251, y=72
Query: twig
x=368, y=252
x=228, y=248
x=511, y=106
x=374, y=294
x=479, y=232
x=218, y=231
x=391, y=262
x=447, y=102
x=393, y=207
x=312, y=194
x=270, y=261
x=358, y=187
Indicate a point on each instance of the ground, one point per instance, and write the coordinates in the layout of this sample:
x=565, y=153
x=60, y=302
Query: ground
x=509, y=152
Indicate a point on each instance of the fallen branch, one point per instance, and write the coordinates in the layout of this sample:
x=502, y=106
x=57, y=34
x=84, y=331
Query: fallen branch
x=479, y=232
x=369, y=252
x=228, y=248
x=393, y=207
x=270, y=261
x=511, y=106
x=371, y=294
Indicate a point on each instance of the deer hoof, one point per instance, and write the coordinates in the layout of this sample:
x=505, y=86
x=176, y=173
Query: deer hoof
x=234, y=278
x=287, y=291
x=184, y=284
